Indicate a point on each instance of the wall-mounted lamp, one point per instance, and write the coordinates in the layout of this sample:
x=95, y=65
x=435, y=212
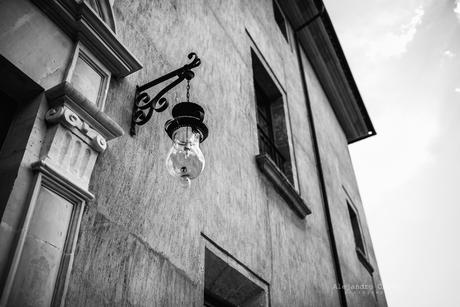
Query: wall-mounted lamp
x=186, y=129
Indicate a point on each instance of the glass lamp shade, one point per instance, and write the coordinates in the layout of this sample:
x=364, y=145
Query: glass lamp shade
x=185, y=159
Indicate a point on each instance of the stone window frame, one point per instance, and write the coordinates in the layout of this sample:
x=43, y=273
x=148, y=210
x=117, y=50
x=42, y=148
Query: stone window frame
x=285, y=28
x=358, y=236
x=47, y=178
x=280, y=19
x=81, y=52
x=232, y=264
x=270, y=106
x=287, y=189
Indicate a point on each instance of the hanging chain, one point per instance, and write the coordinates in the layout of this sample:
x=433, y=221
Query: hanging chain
x=188, y=90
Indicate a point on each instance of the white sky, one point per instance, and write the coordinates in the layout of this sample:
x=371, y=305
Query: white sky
x=405, y=57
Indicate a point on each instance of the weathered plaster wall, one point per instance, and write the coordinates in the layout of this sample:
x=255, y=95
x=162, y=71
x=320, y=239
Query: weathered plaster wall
x=140, y=241
x=231, y=202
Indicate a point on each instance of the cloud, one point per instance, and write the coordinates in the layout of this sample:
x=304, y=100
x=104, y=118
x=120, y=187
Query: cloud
x=457, y=9
x=395, y=44
x=448, y=54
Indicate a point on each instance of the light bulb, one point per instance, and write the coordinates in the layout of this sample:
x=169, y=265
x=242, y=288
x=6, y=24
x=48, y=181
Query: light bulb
x=185, y=182
x=185, y=159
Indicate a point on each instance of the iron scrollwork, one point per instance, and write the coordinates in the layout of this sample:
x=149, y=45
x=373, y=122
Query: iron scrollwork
x=144, y=106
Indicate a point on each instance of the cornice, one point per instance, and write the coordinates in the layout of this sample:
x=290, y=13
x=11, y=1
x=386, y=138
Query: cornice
x=80, y=22
x=61, y=180
x=63, y=115
x=322, y=48
x=85, y=110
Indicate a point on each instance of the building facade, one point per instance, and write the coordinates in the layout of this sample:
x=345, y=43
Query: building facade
x=90, y=215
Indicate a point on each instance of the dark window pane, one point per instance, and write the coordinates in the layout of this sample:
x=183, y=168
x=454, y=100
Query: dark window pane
x=8, y=110
x=211, y=300
x=356, y=229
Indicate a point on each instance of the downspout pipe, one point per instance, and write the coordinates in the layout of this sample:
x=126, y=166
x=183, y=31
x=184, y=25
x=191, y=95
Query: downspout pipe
x=309, y=21
x=330, y=228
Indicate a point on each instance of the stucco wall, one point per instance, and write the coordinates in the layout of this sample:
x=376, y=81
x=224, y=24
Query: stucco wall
x=144, y=225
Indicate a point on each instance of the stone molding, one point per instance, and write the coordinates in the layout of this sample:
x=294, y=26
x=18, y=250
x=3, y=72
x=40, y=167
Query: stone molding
x=78, y=131
x=63, y=115
x=282, y=185
x=70, y=154
x=226, y=276
x=80, y=22
x=65, y=94
x=46, y=178
x=60, y=182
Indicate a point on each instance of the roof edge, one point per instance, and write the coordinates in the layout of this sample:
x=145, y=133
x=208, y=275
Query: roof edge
x=346, y=68
x=318, y=39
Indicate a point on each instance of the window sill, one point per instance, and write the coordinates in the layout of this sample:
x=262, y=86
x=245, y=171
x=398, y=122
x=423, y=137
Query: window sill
x=282, y=185
x=363, y=258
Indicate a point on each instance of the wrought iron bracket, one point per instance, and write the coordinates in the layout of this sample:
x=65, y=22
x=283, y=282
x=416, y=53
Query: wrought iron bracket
x=143, y=106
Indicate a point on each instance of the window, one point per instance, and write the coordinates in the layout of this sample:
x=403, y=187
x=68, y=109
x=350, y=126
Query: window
x=211, y=300
x=274, y=158
x=89, y=76
x=359, y=239
x=271, y=120
x=47, y=247
x=265, y=129
x=356, y=229
x=228, y=283
x=280, y=21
